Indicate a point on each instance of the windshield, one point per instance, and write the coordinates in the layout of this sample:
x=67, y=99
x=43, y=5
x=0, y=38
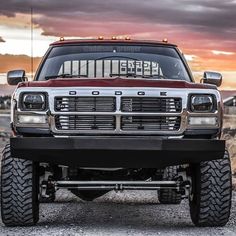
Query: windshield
x=109, y=61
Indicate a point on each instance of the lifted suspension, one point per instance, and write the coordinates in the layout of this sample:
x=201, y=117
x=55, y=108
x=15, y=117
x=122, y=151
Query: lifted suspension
x=121, y=185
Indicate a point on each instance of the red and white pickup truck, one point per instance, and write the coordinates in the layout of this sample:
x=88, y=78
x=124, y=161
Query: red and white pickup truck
x=106, y=115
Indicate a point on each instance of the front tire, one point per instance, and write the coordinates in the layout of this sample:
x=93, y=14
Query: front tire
x=212, y=190
x=19, y=191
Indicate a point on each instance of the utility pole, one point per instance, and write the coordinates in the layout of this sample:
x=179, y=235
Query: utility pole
x=32, y=46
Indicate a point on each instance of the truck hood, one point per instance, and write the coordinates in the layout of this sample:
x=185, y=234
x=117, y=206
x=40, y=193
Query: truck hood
x=116, y=82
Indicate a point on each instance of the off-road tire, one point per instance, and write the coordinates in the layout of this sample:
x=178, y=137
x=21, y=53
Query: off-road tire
x=212, y=191
x=19, y=191
x=169, y=196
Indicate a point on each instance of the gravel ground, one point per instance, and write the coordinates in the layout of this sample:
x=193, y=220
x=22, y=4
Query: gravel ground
x=127, y=213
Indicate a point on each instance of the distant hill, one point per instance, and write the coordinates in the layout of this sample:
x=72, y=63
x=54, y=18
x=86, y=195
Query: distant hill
x=6, y=89
x=13, y=62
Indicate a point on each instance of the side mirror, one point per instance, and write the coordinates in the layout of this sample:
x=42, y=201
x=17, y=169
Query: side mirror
x=15, y=76
x=212, y=78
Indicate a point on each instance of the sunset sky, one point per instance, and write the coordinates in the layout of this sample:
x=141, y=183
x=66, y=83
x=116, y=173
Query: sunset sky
x=205, y=30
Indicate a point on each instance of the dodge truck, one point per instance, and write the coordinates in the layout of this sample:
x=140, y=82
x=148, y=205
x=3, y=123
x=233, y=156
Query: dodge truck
x=115, y=114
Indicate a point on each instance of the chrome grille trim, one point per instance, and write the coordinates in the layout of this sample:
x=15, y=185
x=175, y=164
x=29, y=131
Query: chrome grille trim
x=150, y=123
x=164, y=126
x=151, y=104
x=173, y=107
x=84, y=123
x=85, y=104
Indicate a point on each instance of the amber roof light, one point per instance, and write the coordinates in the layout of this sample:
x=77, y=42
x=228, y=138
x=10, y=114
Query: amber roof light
x=165, y=40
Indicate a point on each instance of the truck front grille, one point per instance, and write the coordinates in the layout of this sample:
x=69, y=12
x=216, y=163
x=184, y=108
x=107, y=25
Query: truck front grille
x=117, y=114
x=84, y=122
x=150, y=123
x=85, y=104
x=151, y=104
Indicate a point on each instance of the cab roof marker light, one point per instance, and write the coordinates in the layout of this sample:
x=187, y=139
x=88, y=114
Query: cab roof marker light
x=165, y=40
x=62, y=39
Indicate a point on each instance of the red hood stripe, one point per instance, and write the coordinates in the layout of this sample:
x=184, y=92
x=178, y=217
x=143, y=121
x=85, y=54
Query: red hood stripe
x=115, y=83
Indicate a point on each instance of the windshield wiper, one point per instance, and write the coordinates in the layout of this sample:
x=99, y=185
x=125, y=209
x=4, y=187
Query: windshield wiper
x=153, y=76
x=142, y=76
x=126, y=74
x=63, y=76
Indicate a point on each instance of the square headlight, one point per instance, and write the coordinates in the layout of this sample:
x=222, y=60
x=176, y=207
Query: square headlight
x=202, y=103
x=33, y=101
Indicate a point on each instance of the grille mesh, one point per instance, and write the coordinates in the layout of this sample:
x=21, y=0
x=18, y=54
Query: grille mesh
x=150, y=123
x=151, y=104
x=107, y=122
x=85, y=104
x=80, y=122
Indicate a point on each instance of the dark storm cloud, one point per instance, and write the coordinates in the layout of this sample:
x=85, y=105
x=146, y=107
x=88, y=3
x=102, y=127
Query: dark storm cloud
x=216, y=17
x=2, y=40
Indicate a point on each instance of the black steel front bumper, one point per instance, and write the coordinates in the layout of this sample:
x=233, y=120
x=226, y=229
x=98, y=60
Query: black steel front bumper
x=129, y=152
